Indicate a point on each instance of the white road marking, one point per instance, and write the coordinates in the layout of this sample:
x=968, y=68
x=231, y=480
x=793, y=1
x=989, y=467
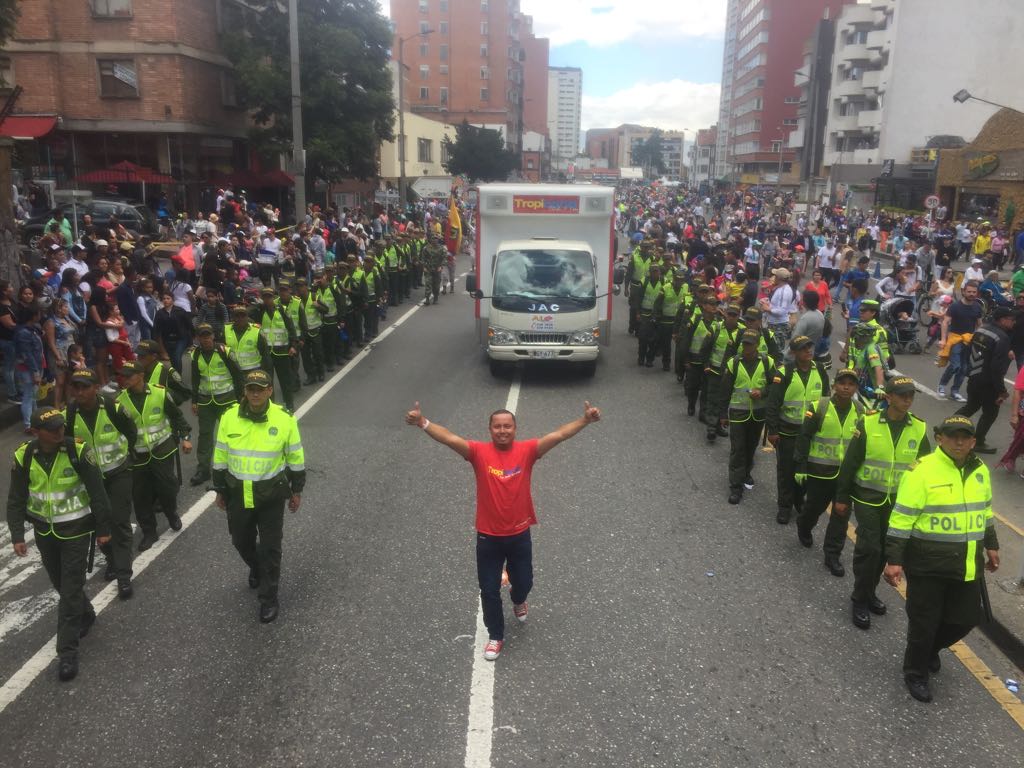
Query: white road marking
x=42, y=658
x=480, y=728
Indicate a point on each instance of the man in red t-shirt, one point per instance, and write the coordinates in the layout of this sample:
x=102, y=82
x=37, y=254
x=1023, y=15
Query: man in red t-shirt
x=504, y=507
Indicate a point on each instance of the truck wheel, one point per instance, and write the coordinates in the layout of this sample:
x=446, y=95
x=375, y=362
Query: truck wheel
x=588, y=369
x=497, y=368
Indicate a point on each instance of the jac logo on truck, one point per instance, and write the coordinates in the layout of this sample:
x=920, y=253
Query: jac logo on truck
x=545, y=204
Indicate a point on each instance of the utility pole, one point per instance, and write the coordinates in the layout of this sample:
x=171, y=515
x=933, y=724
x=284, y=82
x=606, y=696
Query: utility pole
x=298, y=153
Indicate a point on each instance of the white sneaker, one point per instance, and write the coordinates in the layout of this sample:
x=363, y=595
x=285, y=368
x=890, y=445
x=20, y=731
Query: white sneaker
x=941, y=390
x=521, y=610
x=958, y=397
x=493, y=649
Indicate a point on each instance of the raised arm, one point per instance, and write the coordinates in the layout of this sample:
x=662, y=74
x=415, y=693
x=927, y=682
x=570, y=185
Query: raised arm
x=564, y=432
x=415, y=418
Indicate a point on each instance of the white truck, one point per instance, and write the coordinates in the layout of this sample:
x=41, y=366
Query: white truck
x=543, y=272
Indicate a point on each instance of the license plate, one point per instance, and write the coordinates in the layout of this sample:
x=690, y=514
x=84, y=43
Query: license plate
x=544, y=354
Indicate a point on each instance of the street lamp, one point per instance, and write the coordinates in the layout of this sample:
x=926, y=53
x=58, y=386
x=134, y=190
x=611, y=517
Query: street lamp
x=402, y=191
x=963, y=95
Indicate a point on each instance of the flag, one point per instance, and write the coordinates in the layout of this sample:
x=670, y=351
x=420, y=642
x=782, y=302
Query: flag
x=453, y=231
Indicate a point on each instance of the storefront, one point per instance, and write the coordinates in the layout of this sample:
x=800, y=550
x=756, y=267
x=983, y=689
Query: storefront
x=985, y=179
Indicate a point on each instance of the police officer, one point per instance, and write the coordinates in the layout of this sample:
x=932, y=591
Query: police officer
x=327, y=296
x=374, y=290
x=258, y=466
x=795, y=389
x=160, y=425
x=98, y=421
x=864, y=357
x=940, y=523
x=668, y=310
x=742, y=395
x=719, y=347
x=820, y=447
x=311, y=325
x=390, y=258
x=57, y=487
x=244, y=342
x=433, y=256
x=636, y=272
x=753, y=319
x=884, y=446
x=290, y=307
x=699, y=330
x=647, y=341
x=216, y=385
x=161, y=374
x=283, y=343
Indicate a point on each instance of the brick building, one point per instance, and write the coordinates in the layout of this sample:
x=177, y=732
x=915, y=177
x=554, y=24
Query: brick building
x=137, y=80
x=473, y=60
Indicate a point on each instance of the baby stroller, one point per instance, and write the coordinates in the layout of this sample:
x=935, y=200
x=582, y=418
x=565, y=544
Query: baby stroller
x=898, y=318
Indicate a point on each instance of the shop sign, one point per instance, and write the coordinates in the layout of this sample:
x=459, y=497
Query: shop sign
x=995, y=166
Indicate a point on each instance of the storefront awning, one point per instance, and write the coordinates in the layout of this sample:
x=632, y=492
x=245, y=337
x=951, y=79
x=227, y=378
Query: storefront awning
x=27, y=127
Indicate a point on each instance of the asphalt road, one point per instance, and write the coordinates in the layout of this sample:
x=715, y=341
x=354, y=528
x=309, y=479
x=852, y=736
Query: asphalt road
x=666, y=627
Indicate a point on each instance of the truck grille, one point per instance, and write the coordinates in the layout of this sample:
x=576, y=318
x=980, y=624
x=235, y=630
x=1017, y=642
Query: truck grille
x=543, y=338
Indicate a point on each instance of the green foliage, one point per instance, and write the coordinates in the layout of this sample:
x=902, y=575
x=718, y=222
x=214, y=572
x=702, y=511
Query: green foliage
x=347, y=106
x=648, y=154
x=9, y=13
x=479, y=153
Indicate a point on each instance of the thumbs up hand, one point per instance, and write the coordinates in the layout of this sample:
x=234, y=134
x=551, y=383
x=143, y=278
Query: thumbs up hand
x=414, y=418
x=590, y=413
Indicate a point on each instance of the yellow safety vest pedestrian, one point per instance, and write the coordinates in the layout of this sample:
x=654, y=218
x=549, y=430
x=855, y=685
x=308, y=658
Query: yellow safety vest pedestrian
x=244, y=349
x=57, y=496
x=640, y=267
x=724, y=339
x=214, y=376
x=108, y=445
x=700, y=332
x=253, y=451
x=314, y=322
x=651, y=291
x=153, y=425
x=938, y=504
x=293, y=310
x=275, y=331
x=828, y=445
x=742, y=407
x=798, y=397
x=884, y=463
x=673, y=300
x=326, y=297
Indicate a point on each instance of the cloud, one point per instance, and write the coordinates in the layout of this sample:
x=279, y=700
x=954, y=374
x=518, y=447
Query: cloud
x=617, y=21
x=669, y=105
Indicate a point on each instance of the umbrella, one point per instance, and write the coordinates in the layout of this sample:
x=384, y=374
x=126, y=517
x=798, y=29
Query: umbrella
x=125, y=172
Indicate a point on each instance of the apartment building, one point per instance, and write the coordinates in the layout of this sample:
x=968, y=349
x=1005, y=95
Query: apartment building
x=702, y=157
x=565, y=105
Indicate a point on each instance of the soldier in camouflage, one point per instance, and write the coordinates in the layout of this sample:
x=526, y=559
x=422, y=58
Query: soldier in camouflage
x=434, y=256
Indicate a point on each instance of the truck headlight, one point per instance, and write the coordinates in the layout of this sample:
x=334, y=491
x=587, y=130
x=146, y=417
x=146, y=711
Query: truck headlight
x=584, y=338
x=500, y=336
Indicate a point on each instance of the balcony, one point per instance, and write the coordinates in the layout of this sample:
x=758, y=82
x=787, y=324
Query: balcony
x=854, y=53
x=870, y=119
x=878, y=39
x=866, y=156
x=848, y=88
x=843, y=123
x=858, y=14
x=871, y=81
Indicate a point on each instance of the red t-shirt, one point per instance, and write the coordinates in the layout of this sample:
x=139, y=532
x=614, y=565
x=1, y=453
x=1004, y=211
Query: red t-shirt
x=504, y=505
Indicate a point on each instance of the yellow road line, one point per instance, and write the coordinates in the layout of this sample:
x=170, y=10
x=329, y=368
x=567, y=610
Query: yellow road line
x=1015, y=528
x=1013, y=706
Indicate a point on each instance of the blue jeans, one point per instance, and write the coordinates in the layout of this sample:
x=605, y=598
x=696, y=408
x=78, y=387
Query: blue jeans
x=28, y=396
x=10, y=384
x=492, y=553
x=955, y=368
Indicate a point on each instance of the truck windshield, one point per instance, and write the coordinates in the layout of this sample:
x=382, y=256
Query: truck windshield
x=523, y=279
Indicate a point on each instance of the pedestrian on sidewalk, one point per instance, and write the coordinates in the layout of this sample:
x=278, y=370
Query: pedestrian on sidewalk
x=960, y=322
x=988, y=361
x=504, y=507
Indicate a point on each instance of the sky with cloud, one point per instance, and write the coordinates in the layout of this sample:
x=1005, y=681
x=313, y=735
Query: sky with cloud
x=650, y=62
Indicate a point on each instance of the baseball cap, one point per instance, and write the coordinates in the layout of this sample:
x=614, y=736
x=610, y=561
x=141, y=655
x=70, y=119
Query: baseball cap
x=101, y=242
x=901, y=385
x=1000, y=313
x=258, y=378
x=131, y=368
x=846, y=372
x=47, y=418
x=55, y=247
x=733, y=309
x=84, y=376
x=955, y=423
x=752, y=313
x=800, y=342
x=267, y=292
x=204, y=329
x=782, y=273
x=871, y=304
x=681, y=272
x=240, y=310
x=147, y=347
x=863, y=331
x=284, y=285
x=750, y=336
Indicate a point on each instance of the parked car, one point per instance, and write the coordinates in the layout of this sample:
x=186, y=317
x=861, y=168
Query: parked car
x=135, y=216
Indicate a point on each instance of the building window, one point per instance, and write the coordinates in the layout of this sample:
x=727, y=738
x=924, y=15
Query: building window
x=443, y=69
x=790, y=121
x=443, y=52
x=118, y=79
x=424, y=27
x=112, y=9
x=444, y=6
x=424, y=71
x=483, y=50
x=485, y=73
x=423, y=6
x=777, y=147
x=424, y=151
x=6, y=74
x=424, y=50
x=228, y=94
x=443, y=28
x=529, y=165
x=446, y=154
x=424, y=93
x=444, y=95
x=484, y=6
x=485, y=94
x=791, y=100
x=483, y=28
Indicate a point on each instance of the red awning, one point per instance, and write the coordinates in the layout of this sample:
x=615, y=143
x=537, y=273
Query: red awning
x=27, y=126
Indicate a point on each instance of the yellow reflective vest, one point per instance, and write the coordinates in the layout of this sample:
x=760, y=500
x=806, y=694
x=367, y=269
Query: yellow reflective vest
x=884, y=464
x=58, y=497
x=245, y=349
x=152, y=422
x=742, y=407
x=828, y=445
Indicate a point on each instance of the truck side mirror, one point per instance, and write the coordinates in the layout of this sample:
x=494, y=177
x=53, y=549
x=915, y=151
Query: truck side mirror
x=471, y=284
x=616, y=289
x=477, y=294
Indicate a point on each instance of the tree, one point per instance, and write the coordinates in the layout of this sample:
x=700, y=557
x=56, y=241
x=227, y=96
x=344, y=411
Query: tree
x=347, y=106
x=10, y=256
x=9, y=13
x=648, y=154
x=479, y=153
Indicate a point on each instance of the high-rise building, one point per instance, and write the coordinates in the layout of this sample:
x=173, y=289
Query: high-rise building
x=702, y=157
x=468, y=60
x=763, y=47
x=565, y=104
